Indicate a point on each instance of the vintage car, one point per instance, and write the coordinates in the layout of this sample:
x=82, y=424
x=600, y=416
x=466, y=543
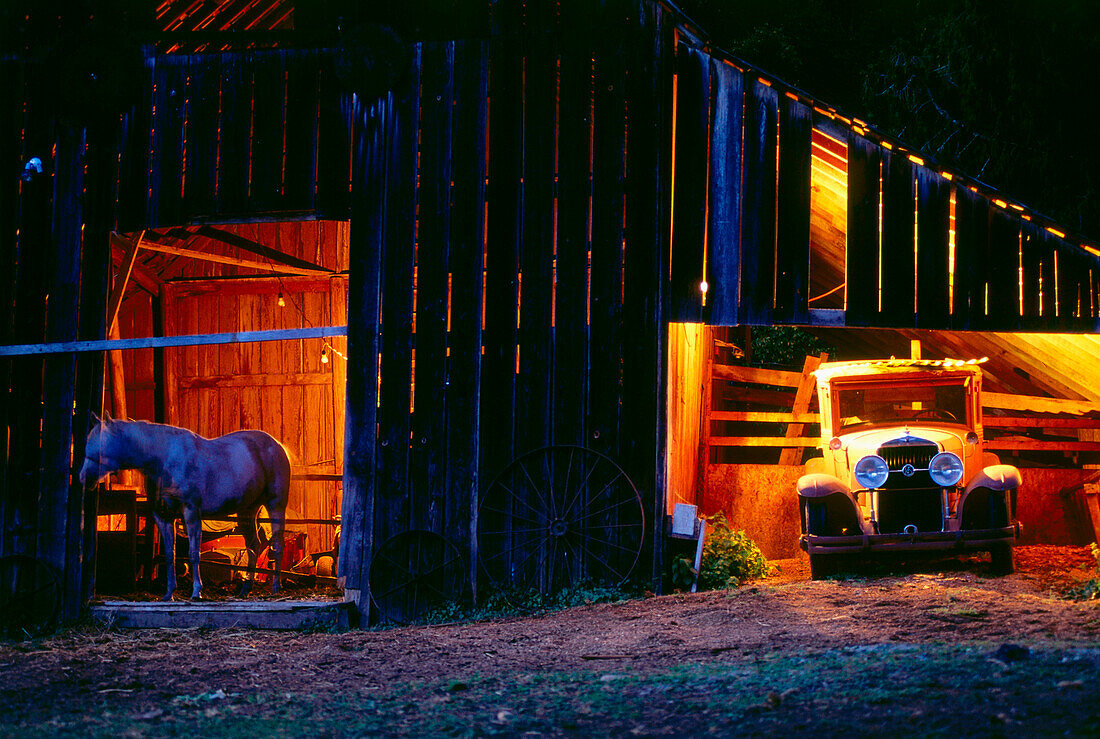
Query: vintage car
x=902, y=466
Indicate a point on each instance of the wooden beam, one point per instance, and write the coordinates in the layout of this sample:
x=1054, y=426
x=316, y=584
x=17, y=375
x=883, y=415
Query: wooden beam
x=1008, y=422
x=234, y=337
x=245, y=244
x=220, y=259
x=767, y=417
x=770, y=441
x=1038, y=405
x=742, y=394
x=802, y=398
x=1025, y=444
x=265, y=380
x=145, y=279
x=758, y=375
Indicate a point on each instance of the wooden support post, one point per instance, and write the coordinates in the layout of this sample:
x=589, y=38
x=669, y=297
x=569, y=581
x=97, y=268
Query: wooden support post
x=707, y=401
x=1091, y=494
x=122, y=279
x=802, y=398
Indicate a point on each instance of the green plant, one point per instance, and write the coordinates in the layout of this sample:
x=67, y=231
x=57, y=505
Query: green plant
x=729, y=556
x=1089, y=590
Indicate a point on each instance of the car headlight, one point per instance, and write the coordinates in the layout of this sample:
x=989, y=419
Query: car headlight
x=871, y=472
x=946, y=469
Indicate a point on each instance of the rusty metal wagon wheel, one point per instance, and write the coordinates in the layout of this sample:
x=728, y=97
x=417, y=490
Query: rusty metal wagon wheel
x=559, y=516
x=30, y=596
x=413, y=573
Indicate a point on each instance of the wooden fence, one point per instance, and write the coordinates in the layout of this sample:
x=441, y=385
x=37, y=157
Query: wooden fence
x=754, y=411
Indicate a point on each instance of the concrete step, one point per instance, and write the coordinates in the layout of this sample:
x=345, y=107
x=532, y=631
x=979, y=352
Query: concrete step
x=289, y=614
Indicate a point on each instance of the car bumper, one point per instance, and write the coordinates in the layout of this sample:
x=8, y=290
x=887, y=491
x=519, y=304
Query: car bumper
x=975, y=539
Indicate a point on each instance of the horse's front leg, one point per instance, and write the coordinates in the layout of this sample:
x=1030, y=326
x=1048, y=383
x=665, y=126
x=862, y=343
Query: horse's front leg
x=193, y=520
x=168, y=541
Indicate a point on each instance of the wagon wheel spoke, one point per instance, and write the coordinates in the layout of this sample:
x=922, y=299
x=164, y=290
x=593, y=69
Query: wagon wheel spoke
x=606, y=509
x=607, y=565
x=580, y=489
x=591, y=521
x=519, y=499
x=534, y=486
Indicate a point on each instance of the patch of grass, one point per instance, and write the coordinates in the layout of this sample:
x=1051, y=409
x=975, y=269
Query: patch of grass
x=1089, y=590
x=930, y=690
x=510, y=603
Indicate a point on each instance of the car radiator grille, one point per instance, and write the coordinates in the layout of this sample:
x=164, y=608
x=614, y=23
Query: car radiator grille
x=917, y=455
x=909, y=500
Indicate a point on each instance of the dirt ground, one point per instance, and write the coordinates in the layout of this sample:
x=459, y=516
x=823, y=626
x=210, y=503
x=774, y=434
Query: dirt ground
x=945, y=649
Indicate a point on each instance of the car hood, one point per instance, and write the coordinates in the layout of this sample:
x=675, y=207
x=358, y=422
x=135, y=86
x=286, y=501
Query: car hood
x=862, y=443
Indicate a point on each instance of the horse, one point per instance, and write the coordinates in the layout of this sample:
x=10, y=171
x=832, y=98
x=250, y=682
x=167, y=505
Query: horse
x=191, y=476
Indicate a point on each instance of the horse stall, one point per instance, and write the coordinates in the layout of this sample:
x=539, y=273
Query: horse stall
x=189, y=282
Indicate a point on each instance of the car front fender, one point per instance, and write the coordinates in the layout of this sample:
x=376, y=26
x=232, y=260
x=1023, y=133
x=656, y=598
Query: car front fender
x=996, y=477
x=820, y=485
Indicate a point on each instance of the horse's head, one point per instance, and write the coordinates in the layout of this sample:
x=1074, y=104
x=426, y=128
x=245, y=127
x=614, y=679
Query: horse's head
x=100, y=454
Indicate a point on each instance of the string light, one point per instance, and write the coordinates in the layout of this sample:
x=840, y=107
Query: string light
x=282, y=304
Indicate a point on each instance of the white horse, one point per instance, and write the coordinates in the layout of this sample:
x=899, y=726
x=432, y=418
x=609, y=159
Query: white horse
x=190, y=476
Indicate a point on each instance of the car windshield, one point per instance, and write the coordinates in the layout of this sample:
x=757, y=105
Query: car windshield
x=866, y=403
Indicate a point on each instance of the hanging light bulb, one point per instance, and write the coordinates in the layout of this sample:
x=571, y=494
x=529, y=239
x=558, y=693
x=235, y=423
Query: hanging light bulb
x=282, y=303
x=324, y=355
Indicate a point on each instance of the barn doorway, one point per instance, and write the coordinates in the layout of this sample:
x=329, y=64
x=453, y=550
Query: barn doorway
x=213, y=284
x=740, y=428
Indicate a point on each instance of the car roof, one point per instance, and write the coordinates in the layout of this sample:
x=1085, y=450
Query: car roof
x=869, y=368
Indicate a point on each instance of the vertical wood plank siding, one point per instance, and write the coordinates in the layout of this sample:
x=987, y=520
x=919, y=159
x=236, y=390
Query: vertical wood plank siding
x=793, y=213
x=429, y=443
x=11, y=150
x=606, y=276
x=568, y=354
x=466, y=244
x=689, y=225
x=1003, y=312
x=898, y=258
x=724, y=226
x=235, y=135
x=971, y=237
x=393, y=507
x=862, y=271
x=933, y=222
x=573, y=192
x=758, y=217
x=372, y=130
x=900, y=268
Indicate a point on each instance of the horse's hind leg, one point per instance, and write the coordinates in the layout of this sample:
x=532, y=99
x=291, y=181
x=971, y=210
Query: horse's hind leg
x=278, y=522
x=193, y=520
x=246, y=522
x=168, y=541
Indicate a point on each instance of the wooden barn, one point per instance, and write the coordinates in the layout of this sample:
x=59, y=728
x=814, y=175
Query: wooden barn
x=488, y=290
